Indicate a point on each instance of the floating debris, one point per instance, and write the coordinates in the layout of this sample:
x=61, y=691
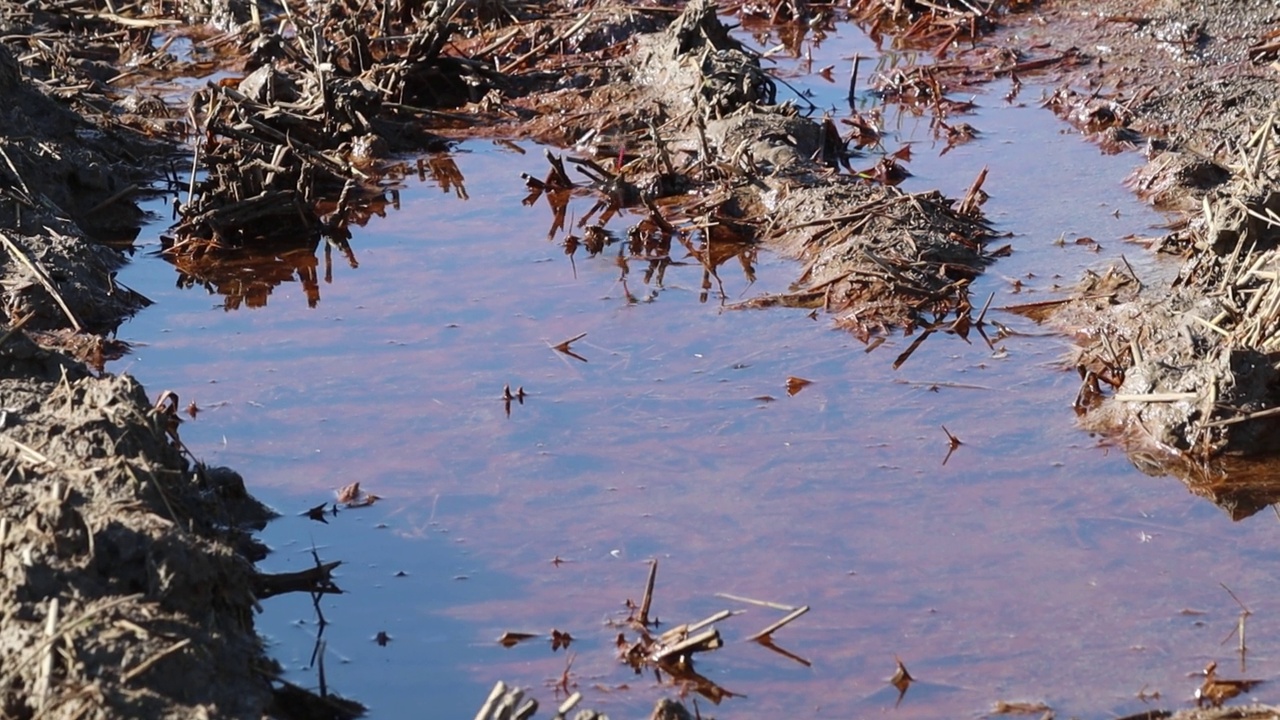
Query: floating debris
x=1215, y=691
x=796, y=384
x=352, y=496
x=318, y=513
x=511, y=639
x=901, y=681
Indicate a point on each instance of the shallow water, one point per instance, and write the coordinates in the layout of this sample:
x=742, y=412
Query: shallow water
x=1035, y=564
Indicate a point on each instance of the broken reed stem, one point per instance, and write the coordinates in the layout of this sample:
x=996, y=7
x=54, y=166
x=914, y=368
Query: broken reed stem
x=569, y=704
x=647, y=601
x=29, y=452
x=781, y=623
x=1132, y=274
x=722, y=615
x=1243, y=647
x=17, y=176
x=982, y=314
x=42, y=277
x=15, y=327
x=970, y=204
x=12, y=671
x=558, y=38
x=164, y=496
x=499, y=689
x=504, y=703
x=1269, y=412
x=564, y=347
x=752, y=601
x=195, y=157
x=1243, y=607
x=853, y=80
x=151, y=661
x=45, y=680
x=324, y=685
x=1154, y=397
x=709, y=640
x=128, y=190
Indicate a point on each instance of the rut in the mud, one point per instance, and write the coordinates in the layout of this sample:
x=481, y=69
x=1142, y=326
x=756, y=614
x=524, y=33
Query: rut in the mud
x=120, y=552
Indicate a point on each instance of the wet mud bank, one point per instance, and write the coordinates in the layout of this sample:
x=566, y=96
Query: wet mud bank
x=134, y=591
x=127, y=566
x=1185, y=372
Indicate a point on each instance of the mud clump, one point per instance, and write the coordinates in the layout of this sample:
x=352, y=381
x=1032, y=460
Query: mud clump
x=125, y=597
x=126, y=570
x=1186, y=372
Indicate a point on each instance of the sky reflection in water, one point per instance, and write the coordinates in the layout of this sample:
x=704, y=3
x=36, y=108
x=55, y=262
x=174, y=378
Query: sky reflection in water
x=1034, y=565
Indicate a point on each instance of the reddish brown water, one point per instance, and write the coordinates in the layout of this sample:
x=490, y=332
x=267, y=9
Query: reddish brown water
x=1036, y=565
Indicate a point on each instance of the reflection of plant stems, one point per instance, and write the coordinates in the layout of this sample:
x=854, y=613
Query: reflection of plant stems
x=647, y=601
x=781, y=623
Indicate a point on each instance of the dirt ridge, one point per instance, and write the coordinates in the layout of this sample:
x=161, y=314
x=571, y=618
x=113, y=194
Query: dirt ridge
x=125, y=565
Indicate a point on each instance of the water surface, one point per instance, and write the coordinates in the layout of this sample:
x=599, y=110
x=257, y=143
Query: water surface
x=1035, y=564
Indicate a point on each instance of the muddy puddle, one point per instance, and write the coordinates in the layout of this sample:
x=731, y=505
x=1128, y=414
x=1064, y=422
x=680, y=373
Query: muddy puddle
x=759, y=454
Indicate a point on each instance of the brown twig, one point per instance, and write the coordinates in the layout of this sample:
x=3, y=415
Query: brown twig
x=42, y=277
x=791, y=616
x=647, y=602
x=147, y=664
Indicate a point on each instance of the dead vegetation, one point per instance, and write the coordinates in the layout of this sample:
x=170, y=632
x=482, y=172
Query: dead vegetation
x=1202, y=382
x=671, y=121
x=669, y=656
x=118, y=555
x=920, y=23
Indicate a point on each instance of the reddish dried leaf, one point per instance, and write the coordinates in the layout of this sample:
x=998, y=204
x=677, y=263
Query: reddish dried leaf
x=560, y=640
x=511, y=639
x=796, y=384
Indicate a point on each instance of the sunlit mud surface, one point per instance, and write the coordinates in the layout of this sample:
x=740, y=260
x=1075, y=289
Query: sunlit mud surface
x=1035, y=565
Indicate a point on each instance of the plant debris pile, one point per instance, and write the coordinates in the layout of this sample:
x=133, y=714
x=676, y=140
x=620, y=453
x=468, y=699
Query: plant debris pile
x=127, y=566
x=718, y=164
x=1203, y=382
x=290, y=149
x=115, y=556
x=933, y=24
